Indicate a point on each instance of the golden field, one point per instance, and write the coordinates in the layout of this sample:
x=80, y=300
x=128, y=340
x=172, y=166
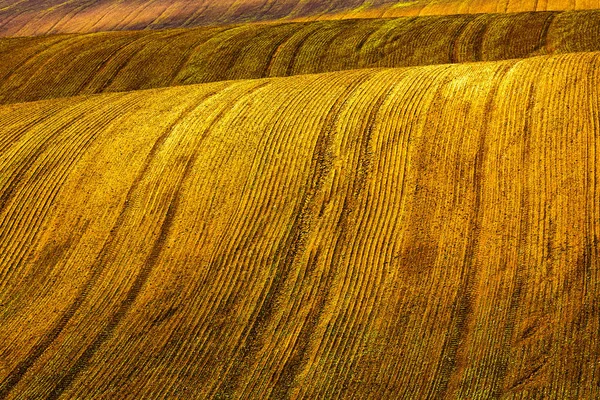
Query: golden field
x=35, y=68
x=403, y=208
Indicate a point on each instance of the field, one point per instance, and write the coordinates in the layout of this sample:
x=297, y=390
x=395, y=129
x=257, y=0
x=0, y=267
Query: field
x=402, y=208
x=35, y=68
x=40, y=17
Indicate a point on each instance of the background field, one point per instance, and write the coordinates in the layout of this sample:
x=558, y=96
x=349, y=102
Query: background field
x=60, y=66
x=421, y=231
x=35, y=17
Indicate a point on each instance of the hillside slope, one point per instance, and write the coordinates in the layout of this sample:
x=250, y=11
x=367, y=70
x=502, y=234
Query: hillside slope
x=420, y=232
x=35, y=17
x=62, y=66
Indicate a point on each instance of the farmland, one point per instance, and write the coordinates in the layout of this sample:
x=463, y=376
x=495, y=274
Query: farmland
x=378, y=239
x=299, y=199
x=35, y=68
x=35, y=17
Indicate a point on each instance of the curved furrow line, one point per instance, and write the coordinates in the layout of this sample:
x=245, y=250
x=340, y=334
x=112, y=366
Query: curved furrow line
x=17, y=172
x=140, y=279
x=452, y=356
x=14, y=69
x=45, y=195
x=278, y=49
x=274, y=51
x=19, y=126
x=152, y=24
x=404, y=167
x=301, y=303
x=15, y=176
x=219, y=54
x=24, y=52
x=230, y=115
x=452, y=51
x=191, y=65
x=65, y=84
x=128, y=74
x=66, y=16
x=319, y=295
x=275, y=195
x=157, y=20
x=511, y=276
x=298, y=359
x=299, y=45
x=243, y=92
x=577, y=298
x=119, y=65
x=361, y=272
x=185, y=57
x=388, y=170
x=284, y=59
x=310, y=61
x=84, y=86
x=326, y=49
x=106, y=332
x=432, y=250
x=255, y=60
x=280, y=139
x=543, y=40
x=594, y=202
x=132, y=14
x=38, y=24
x=338, y=341
x=366, y=37
x=195, y=16
x=189, y=11
x=290, y=248
x=107, y=12
x=13, y=378
x=12, y=166
x=387, y=35
x=252, y=215
x=351, y=288
x=26, y=224
x=477, y=32
x=23, y=80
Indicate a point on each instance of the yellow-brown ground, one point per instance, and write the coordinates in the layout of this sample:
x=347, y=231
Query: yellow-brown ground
x=60, y=66
x=427, y=232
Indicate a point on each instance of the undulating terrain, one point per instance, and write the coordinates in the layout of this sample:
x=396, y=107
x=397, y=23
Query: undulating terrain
x=34, y=68
x=40, y=17
x=400, y=208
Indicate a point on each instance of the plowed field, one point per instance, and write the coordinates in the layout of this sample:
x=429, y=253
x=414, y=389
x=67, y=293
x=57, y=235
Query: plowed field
x=426, y=232
x=60, y=66
x=284, y=199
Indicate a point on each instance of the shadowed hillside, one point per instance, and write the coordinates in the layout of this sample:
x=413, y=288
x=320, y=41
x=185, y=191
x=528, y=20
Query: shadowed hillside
x=61, y=66
x=427, y=232
x=35, y=17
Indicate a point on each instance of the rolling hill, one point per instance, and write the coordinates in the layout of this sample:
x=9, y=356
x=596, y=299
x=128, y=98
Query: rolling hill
x=419, y=232
x=67, y=65
x=41, y=17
